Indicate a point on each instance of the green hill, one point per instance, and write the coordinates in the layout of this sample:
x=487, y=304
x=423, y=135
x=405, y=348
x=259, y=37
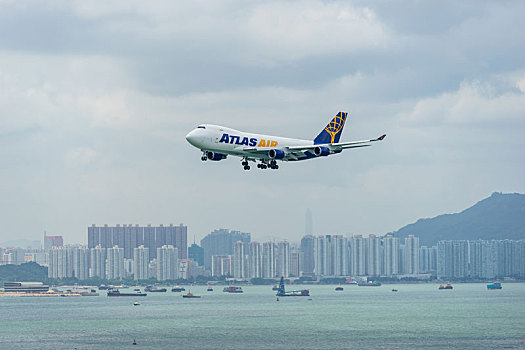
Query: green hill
x=500, y=216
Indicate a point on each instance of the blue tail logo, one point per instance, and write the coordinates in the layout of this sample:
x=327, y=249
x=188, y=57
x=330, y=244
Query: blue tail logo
x=332, y=132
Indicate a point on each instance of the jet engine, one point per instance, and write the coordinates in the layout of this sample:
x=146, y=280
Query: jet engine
x=215, y=155
x=321, y=151
x=276, y=154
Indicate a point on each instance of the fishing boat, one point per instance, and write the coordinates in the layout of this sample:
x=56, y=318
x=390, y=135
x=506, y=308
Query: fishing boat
x=210, y=289
x=190, y=295
x=494, y=285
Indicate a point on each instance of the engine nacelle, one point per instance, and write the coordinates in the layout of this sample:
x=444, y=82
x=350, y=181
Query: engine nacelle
x=215, y=155
x=276, y=154
x=321, y=151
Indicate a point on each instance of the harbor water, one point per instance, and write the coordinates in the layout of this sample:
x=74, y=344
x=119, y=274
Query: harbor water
x=416, y=316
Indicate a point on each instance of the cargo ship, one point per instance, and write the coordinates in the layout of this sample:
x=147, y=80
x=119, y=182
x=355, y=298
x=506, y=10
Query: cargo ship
x=155, y=289
x=232, y=289
x=178, y=289
x=369, y=284
x=281, y=292
x=494, y=285
x=117, y=293
x=447, y=286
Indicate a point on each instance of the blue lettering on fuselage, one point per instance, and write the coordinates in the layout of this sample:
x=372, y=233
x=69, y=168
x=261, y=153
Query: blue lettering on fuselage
x=232, y=139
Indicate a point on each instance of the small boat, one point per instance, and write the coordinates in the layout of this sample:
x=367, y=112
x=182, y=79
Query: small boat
x=136, y=303
x=339, y=288
x=178, y=289
x=232, y=289
x=136, y=290
x=447, y=286
x=91, y=293
x=394, y=290
x=275, y=287
x=494, y=285
x=210, y=289
x=190, y=295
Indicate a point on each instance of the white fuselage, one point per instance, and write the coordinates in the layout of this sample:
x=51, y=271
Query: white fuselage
x=225, y=140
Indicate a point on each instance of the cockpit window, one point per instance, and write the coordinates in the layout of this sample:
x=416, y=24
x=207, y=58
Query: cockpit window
x=201, y=127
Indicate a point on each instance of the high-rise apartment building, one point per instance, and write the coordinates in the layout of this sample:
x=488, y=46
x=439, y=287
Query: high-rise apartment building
x=373, y=255
x=115, y=263
x=52, y=241
x=239, y=260
x=81, y=263
x=141, y=263
x=196, y=253
x=340, y=255
x=167, y=263
x=98, y=262
x=268, y=260
x=307, y=255
x=323, y=256
x=130, y=237
x=254, y=260
x=60, y=262
x=357, y=256
x=283, y=259
x=390, y=255
x=411, y=255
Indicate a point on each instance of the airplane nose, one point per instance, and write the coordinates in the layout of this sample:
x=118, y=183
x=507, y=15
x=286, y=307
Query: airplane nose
x=191, y=137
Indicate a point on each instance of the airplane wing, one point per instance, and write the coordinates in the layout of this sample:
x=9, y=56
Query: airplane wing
x=340, y=145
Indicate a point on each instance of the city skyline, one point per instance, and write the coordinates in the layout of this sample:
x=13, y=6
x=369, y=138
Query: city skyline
x=92, y=129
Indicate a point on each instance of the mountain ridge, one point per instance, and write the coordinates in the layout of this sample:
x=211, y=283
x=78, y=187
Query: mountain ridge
x=500, y=216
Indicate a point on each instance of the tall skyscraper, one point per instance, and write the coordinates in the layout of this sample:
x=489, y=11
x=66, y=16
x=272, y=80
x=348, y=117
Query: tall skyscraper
x=323, y=256
x=254, y=260
x=115, y=263
x=268, y=260
x=98, y=262
x=358, y=256
x=307, y=256
x=411, y=255
x=283, y=259
x=141, y=263
x=81, y=263
x=239, y=260
x=390, y=255
x=167, y=263
x=373, y=255
x=340, y=255
x=60, y=262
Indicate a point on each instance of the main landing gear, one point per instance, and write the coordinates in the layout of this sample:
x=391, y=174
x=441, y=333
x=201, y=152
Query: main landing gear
x=245, y=164
x=204, y=156
x=265, y=164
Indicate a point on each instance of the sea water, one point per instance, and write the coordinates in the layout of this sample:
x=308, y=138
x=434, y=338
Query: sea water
x=417, y=316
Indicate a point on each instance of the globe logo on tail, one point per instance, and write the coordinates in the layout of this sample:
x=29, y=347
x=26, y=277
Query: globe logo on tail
x=335, y=126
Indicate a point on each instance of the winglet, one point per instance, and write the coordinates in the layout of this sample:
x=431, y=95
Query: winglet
x=380, y=138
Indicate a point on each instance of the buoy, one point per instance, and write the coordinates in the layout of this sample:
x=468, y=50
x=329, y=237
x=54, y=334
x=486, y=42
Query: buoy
x=134, y=342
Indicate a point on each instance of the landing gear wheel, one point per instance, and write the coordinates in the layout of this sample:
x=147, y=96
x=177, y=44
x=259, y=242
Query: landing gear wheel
x=246, y=167
x=203, y=158
x=276, y=167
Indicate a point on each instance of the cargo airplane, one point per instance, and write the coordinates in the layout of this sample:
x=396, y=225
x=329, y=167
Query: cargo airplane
x=217, y=142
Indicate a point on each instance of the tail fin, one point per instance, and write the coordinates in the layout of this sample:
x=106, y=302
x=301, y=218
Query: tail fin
x=332, y=132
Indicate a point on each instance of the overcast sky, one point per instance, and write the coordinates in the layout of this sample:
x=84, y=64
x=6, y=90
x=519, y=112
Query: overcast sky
x=97, y=96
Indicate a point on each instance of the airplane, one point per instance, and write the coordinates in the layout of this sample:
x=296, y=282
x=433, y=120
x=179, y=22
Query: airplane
x=217, y=142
